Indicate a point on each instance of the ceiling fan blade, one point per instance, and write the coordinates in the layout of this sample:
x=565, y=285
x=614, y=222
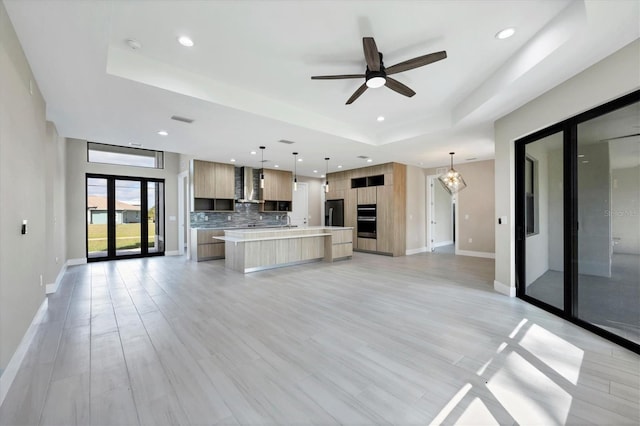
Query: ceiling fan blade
x=336, y=77
x=399, y=87
x=371, y=54
x=357, y=93
x=420, y=61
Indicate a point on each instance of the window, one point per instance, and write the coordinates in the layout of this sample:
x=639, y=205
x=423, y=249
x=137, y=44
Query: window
x=531, y=204
x=125, y=156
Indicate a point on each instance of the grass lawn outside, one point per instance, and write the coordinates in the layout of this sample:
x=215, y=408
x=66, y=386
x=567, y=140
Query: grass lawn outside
x=127, y=236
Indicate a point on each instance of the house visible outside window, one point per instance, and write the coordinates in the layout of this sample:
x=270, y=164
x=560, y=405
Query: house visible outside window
x=531, y=195
x=124, y=156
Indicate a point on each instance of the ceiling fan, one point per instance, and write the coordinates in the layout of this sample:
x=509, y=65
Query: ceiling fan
x=377, y=75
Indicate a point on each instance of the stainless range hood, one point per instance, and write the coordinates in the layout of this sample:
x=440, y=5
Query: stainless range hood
x=249, y=186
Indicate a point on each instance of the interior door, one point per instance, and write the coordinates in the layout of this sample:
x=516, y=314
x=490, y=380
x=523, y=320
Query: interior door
x=300, y=210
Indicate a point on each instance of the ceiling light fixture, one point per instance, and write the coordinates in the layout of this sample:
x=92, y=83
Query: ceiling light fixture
x=276, y=166
x=253, y=153
x=380, y=118
x=233, y=160
x=369, y=160
x=185, y=41
x=262, y=167
x=326, y=182
x=315, y=171
x=295, y=170
x=340, y=166
x=376, y=81
x=452, y=181
x=163, y=133
x=506, y=33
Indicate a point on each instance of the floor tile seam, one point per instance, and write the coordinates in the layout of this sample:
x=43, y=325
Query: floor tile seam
x=155, y=349
x=55, y=359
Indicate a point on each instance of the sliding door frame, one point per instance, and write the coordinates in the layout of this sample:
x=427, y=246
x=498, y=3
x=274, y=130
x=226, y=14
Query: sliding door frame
x=569, y=129
x=111, y=217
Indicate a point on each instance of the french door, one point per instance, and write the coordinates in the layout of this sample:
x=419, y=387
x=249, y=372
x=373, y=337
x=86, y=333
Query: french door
x=578, y=220
x=125, y=217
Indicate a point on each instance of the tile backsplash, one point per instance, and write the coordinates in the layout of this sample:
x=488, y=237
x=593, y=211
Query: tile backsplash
x=245, y=214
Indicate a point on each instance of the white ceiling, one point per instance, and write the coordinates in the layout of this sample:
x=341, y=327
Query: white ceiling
x=246, y=82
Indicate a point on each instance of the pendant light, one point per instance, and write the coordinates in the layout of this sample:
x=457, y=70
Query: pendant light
x=452, y=181
x=262, y=169
x=295, y=169
x=326, y=175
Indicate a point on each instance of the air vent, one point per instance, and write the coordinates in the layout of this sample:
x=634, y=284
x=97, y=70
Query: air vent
x=471, y=159
x=364, y=157
x=286, y=141
x=183, y=119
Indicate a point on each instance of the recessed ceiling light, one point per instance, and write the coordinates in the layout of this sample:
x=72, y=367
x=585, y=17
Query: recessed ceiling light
x=339, y=167
x=253, y=153
x=580, y=155
x=185, y=41
x=321, y=176
x=585, y=161
x=163, y=133
x=315, y=171
x=233, y=160
x=300, y=160
x=369, y=160
x=506, y=33
x=380, y=118
x=276, y=166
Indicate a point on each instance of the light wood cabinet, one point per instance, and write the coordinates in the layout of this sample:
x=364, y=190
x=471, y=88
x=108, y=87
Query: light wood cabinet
x=278, y=185
x=213, y=186
x=204, y=246
x=367, y=195
x=351, y=211
x=367, y=244
x=385, y=219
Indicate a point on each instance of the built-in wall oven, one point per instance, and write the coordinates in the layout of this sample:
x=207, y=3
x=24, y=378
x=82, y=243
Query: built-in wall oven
x=367, y=221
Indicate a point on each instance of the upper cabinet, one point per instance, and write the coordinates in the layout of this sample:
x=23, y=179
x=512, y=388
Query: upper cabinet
x=278, y=185
x=213, y=186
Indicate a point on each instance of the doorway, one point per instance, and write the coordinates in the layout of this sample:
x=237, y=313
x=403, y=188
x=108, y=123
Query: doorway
x=577, y=228
x=300, y=211
x=125, y=217
x=442, y=218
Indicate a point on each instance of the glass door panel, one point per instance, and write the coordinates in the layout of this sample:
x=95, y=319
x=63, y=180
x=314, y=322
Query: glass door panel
x=97, y=224
x=608, y=176
x=543, y=224
x=155, y=216
x=128, y=235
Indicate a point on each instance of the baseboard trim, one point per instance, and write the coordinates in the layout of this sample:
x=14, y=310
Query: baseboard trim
x=416, y=251
x=53, y=287
x=172, y=253
x=79, y=261
x=476, y=254
x=442, y=243
x=9, y=374
x=507, y=290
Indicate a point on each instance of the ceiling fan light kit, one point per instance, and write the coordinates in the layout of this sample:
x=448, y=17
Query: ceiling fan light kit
x=377, y=75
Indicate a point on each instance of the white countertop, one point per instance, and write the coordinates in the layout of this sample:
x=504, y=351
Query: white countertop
x=322, y=231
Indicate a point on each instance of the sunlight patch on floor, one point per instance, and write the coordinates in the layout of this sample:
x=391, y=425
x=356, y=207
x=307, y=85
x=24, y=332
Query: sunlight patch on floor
x=563, y=357
x=527, y=393
x=477, y=414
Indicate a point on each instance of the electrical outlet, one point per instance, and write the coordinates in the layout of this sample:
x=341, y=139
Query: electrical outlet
x=229, y=217
x=260, y=217
x=470, y=240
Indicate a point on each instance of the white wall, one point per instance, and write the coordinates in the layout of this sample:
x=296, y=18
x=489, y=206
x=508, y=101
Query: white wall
x=612, y=77
x=31, y=177
x=78, y=167
x=625, y=210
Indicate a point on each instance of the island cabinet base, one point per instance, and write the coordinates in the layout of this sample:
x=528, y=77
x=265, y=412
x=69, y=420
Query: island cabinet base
x=251, y=251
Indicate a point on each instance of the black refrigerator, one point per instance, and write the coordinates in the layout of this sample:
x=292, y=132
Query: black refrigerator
x=334, y=213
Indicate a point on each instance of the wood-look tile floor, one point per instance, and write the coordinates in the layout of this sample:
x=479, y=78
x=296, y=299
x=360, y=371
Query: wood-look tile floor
x=375, y=340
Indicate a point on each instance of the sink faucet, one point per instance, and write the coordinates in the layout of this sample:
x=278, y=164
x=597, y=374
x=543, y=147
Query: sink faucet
x=288, y=221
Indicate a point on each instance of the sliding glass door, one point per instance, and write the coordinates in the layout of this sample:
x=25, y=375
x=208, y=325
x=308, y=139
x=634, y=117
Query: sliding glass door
x=125, y=217
x=578, y=219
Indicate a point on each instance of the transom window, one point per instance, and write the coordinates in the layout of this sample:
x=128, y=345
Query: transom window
x=124, y=156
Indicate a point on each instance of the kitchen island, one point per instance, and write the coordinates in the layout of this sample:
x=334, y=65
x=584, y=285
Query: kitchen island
x=250, y=250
